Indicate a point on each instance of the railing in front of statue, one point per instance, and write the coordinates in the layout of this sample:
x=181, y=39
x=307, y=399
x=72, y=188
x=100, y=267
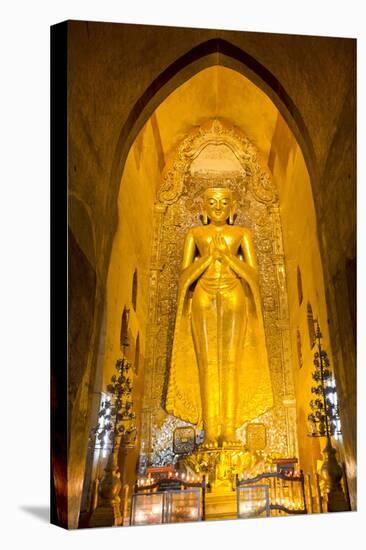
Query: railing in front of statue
x=168, y=501
x=271, y=494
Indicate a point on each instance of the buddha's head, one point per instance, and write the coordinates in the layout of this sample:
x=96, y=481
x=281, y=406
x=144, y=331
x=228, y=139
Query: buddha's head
x=218, y=206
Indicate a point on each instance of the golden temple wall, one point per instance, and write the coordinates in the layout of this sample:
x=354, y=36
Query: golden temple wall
x=302, y=260
x=131, y=251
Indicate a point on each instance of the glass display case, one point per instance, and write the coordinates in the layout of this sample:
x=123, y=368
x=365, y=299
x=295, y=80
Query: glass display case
x=151, y=508
x=271, y=493
x=253, y=501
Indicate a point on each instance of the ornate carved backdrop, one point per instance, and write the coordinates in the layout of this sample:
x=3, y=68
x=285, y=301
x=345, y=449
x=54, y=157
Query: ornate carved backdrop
x=217, y=153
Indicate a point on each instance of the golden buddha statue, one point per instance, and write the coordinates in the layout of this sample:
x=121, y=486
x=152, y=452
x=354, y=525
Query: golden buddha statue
x=219, y=376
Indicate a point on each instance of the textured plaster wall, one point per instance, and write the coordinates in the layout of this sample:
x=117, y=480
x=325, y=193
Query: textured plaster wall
x=301, y=252
x=131, y=251
x=330, y=297
x=337, y=230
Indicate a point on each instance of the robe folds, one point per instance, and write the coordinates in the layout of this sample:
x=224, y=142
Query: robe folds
x=254, y=388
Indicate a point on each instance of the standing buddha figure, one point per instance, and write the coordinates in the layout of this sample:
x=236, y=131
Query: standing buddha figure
x=219, y=376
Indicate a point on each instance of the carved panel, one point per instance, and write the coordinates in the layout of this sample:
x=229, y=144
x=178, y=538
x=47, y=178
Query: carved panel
x=184, y=440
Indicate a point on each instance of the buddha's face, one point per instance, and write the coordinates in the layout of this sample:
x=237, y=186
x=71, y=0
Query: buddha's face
x=217, y=204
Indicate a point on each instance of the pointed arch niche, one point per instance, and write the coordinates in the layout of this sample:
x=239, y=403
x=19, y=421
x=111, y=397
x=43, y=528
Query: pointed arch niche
x=217, y=124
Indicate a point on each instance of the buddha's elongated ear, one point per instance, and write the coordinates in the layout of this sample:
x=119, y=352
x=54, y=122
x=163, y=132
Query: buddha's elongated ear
x=204, y=216
x=232, y=211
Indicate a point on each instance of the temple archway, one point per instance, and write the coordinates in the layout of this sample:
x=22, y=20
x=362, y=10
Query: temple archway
x=293, y=98
x=214, y=52
x=221, y=101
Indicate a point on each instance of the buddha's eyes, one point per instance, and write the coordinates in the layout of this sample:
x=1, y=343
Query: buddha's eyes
x=222, y=202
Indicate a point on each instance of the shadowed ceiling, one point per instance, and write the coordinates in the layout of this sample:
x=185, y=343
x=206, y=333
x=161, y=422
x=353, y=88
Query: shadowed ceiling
x=217, y=92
